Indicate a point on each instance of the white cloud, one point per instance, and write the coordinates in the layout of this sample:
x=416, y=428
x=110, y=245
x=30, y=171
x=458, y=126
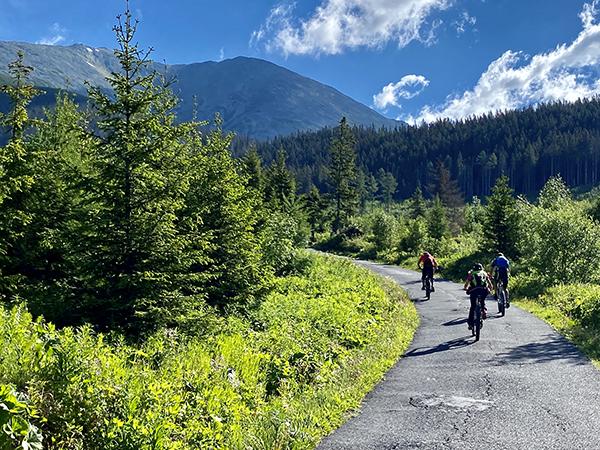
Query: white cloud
x=222, y=54
x=515, y=80
x=338, y=25
x=466, y=20
x=57, y=36
x=408, y=87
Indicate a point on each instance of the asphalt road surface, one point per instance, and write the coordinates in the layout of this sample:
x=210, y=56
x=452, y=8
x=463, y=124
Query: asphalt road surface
x=522, y=386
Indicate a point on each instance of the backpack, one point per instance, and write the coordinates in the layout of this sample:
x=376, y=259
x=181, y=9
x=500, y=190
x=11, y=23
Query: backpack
x=428, y=262
x=479, y=279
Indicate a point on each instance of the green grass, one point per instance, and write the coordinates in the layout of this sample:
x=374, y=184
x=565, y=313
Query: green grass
x=282, y=378
x=573, y=311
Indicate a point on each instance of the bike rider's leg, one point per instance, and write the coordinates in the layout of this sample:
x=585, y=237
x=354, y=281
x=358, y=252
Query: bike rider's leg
x=506, y=290
x=495, y=282
x=423, y=279
x=483, y=307
x=431, y=272
x=472, y=311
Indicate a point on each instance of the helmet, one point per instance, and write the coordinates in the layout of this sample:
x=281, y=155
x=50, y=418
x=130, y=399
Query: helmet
x=426, y=254
x=477, y=267
x=500, y=254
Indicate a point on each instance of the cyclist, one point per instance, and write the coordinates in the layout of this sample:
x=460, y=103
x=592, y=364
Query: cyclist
x=500, y=271
x=428, y=265
x=477, y=285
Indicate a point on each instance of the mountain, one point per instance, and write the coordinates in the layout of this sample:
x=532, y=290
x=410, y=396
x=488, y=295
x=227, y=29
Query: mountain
x=256, y=98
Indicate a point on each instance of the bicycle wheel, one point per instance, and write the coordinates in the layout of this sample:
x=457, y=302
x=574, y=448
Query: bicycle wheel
x=477, y=321
x=428, y=288
x=502, y=301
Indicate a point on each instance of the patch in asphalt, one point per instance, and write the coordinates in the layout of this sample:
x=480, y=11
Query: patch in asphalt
x=450, y=401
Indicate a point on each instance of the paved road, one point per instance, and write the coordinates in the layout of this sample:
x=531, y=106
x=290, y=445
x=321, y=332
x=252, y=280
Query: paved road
x=522, y=386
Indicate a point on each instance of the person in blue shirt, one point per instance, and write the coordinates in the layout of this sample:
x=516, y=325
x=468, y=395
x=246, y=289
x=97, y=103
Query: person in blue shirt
x=500, y=271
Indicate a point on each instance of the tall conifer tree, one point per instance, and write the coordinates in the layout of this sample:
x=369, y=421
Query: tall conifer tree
x=137, y=187
x=16, y=177
x=342, y=175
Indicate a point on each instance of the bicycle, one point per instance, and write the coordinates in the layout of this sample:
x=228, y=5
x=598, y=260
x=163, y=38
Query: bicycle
x=428, y=286
x=478, y=318
x=502, y=297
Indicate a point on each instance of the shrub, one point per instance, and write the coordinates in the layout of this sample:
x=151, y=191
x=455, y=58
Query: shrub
x=383, y=227
x=281, y=378
x=580, y=302
x=562, y=245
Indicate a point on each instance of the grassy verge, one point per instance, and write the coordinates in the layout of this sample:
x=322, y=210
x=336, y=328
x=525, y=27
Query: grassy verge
x=281, y=378
x=573, y=311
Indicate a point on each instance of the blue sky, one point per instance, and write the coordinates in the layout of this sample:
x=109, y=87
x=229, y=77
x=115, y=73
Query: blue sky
x=412, y=59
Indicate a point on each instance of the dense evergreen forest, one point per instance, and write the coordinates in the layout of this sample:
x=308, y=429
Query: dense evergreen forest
x=154, y=290
x=528, y=146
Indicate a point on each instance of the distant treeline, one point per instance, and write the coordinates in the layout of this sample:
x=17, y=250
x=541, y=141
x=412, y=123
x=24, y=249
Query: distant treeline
x=528, y=145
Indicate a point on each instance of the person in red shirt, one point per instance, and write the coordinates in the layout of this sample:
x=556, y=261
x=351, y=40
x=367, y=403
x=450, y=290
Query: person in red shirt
x=428, y=265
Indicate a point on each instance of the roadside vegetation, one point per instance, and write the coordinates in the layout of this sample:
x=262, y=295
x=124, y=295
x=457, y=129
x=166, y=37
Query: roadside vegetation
x=553, y=242
x=280, y=378
x=154, y=290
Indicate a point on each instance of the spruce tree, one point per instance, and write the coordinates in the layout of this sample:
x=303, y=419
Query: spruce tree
x=342, y=175
x=59, y=149
x=227, y=218
x=316, y=211
x=387, y=187
x=137, y=185
x=362, y=189
x=253, y=169
x=445, y=186
x=437, y=220
x=418, y=207
x=280, y=186
x=502, y=220
x=16, y=178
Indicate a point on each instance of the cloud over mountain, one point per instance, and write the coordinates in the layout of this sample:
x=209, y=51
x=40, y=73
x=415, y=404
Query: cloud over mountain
x=514, y=80
x=408, y=87
x=339, y=25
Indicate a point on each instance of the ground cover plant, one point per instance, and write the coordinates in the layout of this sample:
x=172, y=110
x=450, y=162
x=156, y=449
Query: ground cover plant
x=281, y=378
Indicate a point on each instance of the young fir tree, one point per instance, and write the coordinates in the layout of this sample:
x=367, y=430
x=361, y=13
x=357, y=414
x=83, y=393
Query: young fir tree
x=418, y=207
x=137, y=188
x=227, y=215
x=316, y=211
x=437, y=220
x=16, y=178
x=342, y=175
x=59, y=149
x=387, y=187
x=280, y=186
x=502, y=220
x=253, y=169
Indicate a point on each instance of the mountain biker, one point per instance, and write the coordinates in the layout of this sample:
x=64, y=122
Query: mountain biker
x=500, y=271
x=428, y=265
x=477, y=285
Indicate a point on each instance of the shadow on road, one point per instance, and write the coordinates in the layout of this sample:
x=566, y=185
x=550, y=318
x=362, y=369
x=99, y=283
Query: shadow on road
x=552, y=349
x=454, y=322
x=450, y=345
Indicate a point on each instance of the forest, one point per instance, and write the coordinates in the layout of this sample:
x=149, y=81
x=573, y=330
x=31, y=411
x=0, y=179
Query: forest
x=157, y=285
x=528, y=145
x=154, y=290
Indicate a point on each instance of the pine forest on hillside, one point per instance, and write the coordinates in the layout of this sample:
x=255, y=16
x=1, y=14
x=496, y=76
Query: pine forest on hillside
x=529, y=146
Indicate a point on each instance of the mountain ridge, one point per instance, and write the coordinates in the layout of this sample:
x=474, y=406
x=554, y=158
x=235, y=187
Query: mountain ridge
x=255, y=97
